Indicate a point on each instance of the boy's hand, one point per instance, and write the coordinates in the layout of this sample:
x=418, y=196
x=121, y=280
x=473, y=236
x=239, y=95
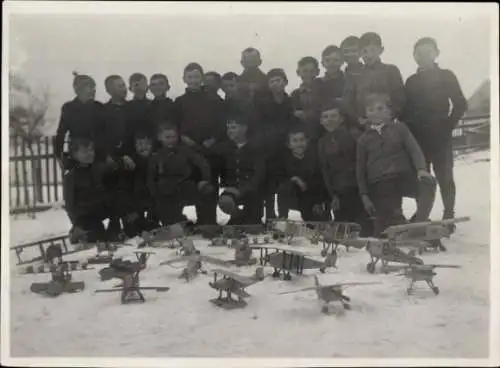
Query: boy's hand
x=299, y=114
x=129, y=163
x=368, y=204
x=335, y=203
x=425, y=175
x=188, y=141
x=235, y=192
x=300, y=183
x=318, y=209
x=209, y=143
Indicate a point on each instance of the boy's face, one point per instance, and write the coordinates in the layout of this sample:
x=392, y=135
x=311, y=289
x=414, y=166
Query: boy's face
x=297, y=142
x=230, y=87
x=333, y=62
x=378, y=113
x=235, y=131
x=84, y=154
x=211, y=83
x=118, y=89
x=159, y=87
x=193, y=79
x=277, y=84
x=86, y=92
x=331, y=119
x=308, y=72
x=425, y=55
x=143, y=147
x=250, y=59
x=168, y=138
x=371, y=53
x=351, y=53
x=139, y=87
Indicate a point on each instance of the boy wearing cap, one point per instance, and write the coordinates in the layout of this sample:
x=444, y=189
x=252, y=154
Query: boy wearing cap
x=428, y=115
x=375, y=77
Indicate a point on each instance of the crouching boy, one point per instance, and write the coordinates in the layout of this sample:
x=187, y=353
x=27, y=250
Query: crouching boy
x=300, y=182
x=390, y=166
x=170, y=176
x=243, y=171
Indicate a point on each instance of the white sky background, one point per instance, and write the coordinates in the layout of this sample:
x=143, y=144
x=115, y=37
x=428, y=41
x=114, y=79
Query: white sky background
x=45, y=48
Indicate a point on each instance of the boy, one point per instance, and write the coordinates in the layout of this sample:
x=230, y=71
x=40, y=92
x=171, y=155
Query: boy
x=429, y=92
x=162, y=107
x=350, y=52
x=306, y=98
x=200, y=118
x=375, y=77
x=252, y=78
x=138, y=110
x=301, y=185
x=390, y=165
x=85, y=197
x=243, y=173
x=80, y=118
x=274, y=113
x=212, y=83
x=170, y=176
x=332, y=84
x=234, y=100
x=337, y=156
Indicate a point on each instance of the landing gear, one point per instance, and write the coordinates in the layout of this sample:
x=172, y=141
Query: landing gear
x=370, y=267
x=323, y=253
x=322, y=270
x=276, y=274
x=287, y=276
x=346, y=306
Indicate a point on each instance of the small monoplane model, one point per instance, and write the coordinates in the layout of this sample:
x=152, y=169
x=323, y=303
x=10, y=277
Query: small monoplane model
x=194, y=264
x=170, y=236
x=286, y=260
x=331, y=293
x=128, y=272
x=383, y=250
x=233, y=284
x=423, y=273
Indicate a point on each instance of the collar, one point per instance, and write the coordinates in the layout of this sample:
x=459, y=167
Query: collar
x=300, y=157
x=337, y=75
x=188, y=90
x=307, y=87
x=379, y=128
x=433, y=67
x=354, y=67
x=376, y=64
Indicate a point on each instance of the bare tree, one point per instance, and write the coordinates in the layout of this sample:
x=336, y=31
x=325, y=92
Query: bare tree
x=27, y=110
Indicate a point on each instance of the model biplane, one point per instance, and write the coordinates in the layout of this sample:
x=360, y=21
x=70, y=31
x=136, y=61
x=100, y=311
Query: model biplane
x=286, y=260
x=128, y=272
x=383, y=250
x=286, y=230
x=423, y=273
x=331, y=293
x=335, y=233
x=170, y=236
x=233, y=284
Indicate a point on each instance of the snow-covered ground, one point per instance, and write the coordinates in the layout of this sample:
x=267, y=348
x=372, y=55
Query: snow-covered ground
x=384, y=321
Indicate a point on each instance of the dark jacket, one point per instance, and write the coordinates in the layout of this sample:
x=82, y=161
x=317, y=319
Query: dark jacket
x=142, y=198
x=162, y=110
x=80, y=120
x=376, y=78
x=83, y=190
x=428, y=94
x=337, y=155
x=242, y=168
x=119, y=141
x=169, y=168
x=199, y=116
x=139, y=117
x=391, y=153
x=332, y=87
x=353, y=70
x=256, y=76
x=308, y=99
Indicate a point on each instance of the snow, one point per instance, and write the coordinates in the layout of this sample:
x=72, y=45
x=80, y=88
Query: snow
x=384, y=321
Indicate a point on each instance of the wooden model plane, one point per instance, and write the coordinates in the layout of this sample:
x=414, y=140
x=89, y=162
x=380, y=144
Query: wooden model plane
x=233, y=284
x=171, y=236
x=331, y=293
x=129, y=272
x=286, y=260
x=335, y=233
x=384, y=250
x=423, y=273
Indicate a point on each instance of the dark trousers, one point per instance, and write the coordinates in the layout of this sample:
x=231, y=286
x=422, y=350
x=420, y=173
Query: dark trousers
x=251, y=211
x=147, y=220
x=118, y=195
x=387, y=197
x=206, y=207
x=92, y=224
x=351, y=209
x=291, y=197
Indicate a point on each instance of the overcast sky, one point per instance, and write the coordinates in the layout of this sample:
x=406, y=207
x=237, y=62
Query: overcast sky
x=45, y=48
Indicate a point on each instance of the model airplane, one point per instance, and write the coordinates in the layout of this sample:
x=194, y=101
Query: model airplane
x=384, y=250
x=335, y=233
x=171, y=235
x=118, y=268
x=233, y=284
x=331, y=293
x=129, y=272
x=423, y=273
x=287, y=260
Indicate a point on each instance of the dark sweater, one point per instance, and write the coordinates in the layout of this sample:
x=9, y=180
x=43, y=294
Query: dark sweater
x=308, y=100
x=429, y=93
x=162, y=110
x=141, y=195
x=332, y=87
x=139, y=117
x=118, y=139
x=337, y=155
x=81, y=120
x=169, y=168
x=392, y=153
x=376, y=78
x=256, y=76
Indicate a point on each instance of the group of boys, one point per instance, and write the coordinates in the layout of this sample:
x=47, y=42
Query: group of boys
x=352, y=143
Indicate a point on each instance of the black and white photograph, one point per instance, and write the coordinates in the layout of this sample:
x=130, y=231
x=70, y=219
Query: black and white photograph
x=304, y=184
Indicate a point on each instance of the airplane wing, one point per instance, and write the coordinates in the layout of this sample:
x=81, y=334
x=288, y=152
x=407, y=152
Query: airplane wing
x=300, y=290
x=445, y=266
x=344, y=284
x=139, y=251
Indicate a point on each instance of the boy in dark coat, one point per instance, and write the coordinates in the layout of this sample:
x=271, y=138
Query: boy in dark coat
x=333, y=82
x=300, y=183
x=274, y=111
x=350, y=51
x=200, y=118
x=170, y=177
x=162, y=107
x=427, y=114
x=253, y=79
x=80, y=118
x=390, y=166
x=139, y=109
x=337, y=154
x=212, y=82
x=243, y=171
